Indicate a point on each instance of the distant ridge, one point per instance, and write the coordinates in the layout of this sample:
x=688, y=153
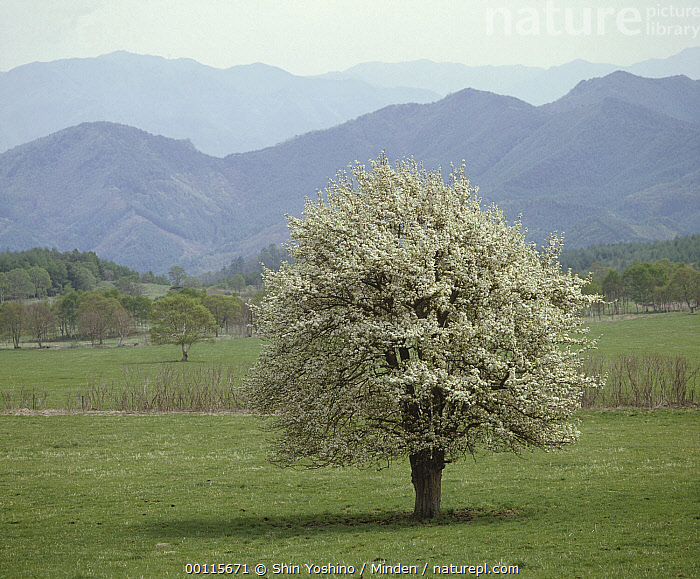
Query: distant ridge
x=221, y=110
x=531, y=84
x=676, y=96
x=249, y=107
x=608, y=163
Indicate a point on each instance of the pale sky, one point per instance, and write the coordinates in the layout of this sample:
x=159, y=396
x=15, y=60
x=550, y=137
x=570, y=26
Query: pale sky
x=308, y=37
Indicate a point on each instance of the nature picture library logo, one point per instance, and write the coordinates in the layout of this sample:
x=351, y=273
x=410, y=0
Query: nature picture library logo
x=555, y=20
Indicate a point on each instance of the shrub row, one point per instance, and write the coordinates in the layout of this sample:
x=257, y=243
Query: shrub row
x=211, y=388
x=648, y=381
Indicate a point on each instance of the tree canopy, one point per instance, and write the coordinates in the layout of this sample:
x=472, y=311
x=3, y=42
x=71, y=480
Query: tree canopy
x=413, y=323
x=180, y=319
x=52, y=272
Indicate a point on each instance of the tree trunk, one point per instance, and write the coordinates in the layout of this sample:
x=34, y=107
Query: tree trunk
x=426, y=476
x=184, y=354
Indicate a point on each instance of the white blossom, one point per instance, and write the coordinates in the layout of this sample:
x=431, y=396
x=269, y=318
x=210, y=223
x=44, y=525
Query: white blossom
x=411, y=318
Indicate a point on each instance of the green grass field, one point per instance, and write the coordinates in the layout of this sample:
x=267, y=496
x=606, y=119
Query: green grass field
x=64, y=371
x=673, y=334
x=144, y=495
x=128, y=495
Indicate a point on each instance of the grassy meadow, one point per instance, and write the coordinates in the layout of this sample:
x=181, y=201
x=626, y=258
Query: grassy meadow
x=57, y=374
x=65, y=370
x=144, y=495
x=671, y=334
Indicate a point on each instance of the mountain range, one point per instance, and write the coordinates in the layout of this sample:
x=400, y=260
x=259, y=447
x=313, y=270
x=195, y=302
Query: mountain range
x=534, y=85
x=221, y=110
x=616, y=159
x=243, y=108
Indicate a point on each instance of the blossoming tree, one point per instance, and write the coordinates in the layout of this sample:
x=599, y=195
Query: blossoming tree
x=180, y=319
x=413, y=323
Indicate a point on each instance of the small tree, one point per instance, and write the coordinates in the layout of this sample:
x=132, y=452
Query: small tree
x=82, y=277
x=412, y=323
x=95, y=316
x=612, y=288
x=177, y=275
x=223, y=308
x=684, y=286
x=41, y=280
x=129, y=285
x=21, y=285
x=40, y=321
x=180, y=319
x=237, y=283
x=13, y=321
x=67, y=313
x=139, y=308
x=122, y=323
x=4, y=287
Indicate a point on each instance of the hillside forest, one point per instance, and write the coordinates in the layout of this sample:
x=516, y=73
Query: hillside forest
x=47, y=295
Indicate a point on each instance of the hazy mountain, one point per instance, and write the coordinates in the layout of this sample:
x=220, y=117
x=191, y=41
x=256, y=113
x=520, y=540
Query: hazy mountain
x=572, y=170
x=244, y=108
x=531, y=84
x=221, y=110
x=677, y=96
x=686, y=63
x=119, y=191
x=580, y=172
x=442, y=77
x=610, y=162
